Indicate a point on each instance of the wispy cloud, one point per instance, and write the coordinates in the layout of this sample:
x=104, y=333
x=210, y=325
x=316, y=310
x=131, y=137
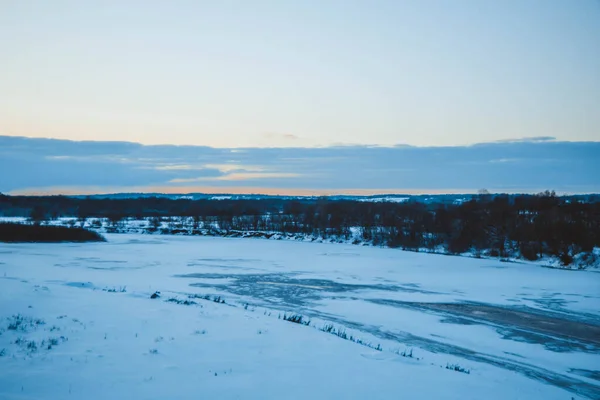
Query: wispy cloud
x=177, y=167
x=284, y=136
x=244, y=176
x=228, y=168
x=504, y=160
x=532, y=139
x=239, y=177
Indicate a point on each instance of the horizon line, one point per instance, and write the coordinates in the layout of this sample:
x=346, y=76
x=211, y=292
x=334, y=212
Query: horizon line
x=250, y=191
x=532, y=139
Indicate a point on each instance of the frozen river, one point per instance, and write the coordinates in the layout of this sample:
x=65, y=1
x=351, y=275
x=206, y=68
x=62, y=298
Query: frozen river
x=485, y=316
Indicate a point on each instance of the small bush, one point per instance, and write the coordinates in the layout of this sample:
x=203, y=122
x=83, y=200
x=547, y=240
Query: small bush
x=121, y=289
x=23, y=324
x=32, y=346
x=406, y=353
x=342, y=334
x=15, y=324
x=457, y=368
x=53, y=342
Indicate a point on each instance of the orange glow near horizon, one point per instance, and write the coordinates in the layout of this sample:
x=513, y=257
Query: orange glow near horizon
x=72, y=191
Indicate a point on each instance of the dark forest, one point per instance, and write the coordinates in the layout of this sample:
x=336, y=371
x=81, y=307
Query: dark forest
x=523, y=226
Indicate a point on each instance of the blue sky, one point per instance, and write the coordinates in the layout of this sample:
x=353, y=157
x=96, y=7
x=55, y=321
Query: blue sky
x=526, y=165
x=307, y=96
x=308, y=73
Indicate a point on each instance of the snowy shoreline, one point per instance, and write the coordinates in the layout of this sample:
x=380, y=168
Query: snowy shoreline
x=186, y=226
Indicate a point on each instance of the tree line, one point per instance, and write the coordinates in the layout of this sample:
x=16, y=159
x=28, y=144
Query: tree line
x=528, y=226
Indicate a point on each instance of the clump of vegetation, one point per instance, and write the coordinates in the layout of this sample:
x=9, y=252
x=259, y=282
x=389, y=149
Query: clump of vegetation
x=197, y=296
x=22, y=323
x=341, y=333
x=457, y=368
x=31, y=346
x=296, y=318
x=208, y=297
x=121, y=289
x=51, y=342
x=26, y=233
x=183, y=302
x=16, y=323
x=408, y=353
x=153, y=351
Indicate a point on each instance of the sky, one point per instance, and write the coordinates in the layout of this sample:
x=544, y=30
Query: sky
x=50, y=166
x=304, y=96
x=300, y=73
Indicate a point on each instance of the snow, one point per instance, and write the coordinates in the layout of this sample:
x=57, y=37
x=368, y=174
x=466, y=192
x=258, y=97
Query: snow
x=113, y=341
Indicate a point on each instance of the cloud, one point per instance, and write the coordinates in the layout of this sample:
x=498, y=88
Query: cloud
x=505, y=160
x=244, y=176
x=180, y=167
x=239, y=177
x=532, y=139
x=284, y=136
x=228, y=168
x=523, y=165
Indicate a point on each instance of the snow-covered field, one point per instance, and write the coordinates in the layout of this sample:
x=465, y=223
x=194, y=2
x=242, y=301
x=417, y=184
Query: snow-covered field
x=77, y=321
